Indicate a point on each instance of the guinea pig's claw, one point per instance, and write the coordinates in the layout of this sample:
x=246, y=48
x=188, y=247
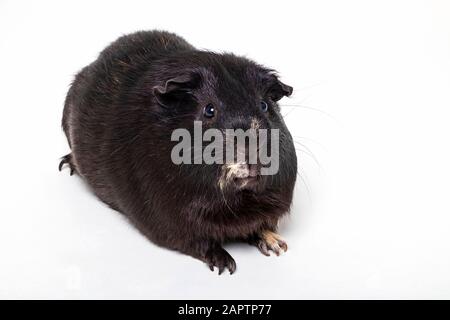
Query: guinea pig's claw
x=67, y=159
x=262, y=246
x=283, y=245
x=220, y=258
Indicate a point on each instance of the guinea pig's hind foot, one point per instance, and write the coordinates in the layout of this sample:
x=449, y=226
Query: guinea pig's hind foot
x=269, y=240
x=216, y=256
x=67, y=159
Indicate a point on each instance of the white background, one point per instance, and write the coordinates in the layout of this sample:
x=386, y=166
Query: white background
x=372, y=98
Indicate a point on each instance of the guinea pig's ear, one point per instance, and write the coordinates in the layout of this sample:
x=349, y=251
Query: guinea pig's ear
x=176, y=89
x=278, y=89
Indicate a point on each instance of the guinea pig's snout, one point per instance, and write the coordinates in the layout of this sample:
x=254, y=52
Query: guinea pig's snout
x=241, y=175
x=244, y=169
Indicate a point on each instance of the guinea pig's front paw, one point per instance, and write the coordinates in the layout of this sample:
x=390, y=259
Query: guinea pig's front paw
x=268, y=240
x=216, y=256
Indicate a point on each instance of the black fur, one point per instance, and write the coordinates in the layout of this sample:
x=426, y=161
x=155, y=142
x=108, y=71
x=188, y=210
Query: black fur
x=118, y=118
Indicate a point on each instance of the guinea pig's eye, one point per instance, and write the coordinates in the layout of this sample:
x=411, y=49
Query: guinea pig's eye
x=264, y=106
x=209, y=110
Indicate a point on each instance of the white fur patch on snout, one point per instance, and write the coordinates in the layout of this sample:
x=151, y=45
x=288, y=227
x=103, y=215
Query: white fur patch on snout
x=237, y=170
x=231, y=171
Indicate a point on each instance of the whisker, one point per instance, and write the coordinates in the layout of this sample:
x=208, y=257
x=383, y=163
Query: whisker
x=300, y=106
x=308, y=152
x=304, y=181
x=309, y=139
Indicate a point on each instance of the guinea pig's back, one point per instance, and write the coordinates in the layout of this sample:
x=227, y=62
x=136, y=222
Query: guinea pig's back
x=91, y=108
x=146, y=43
x=102, y=78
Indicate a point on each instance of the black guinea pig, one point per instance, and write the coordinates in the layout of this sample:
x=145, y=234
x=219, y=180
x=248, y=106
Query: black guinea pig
x=119, y=117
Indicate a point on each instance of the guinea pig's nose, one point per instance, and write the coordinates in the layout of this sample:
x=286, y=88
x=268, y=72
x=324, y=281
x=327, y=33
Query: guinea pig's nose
x=253, y=170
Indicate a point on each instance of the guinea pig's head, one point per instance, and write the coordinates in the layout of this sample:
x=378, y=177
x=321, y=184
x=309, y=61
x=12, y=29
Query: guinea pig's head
x=227, y=132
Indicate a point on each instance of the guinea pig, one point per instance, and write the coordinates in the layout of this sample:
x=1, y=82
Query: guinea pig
x=119, y=117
